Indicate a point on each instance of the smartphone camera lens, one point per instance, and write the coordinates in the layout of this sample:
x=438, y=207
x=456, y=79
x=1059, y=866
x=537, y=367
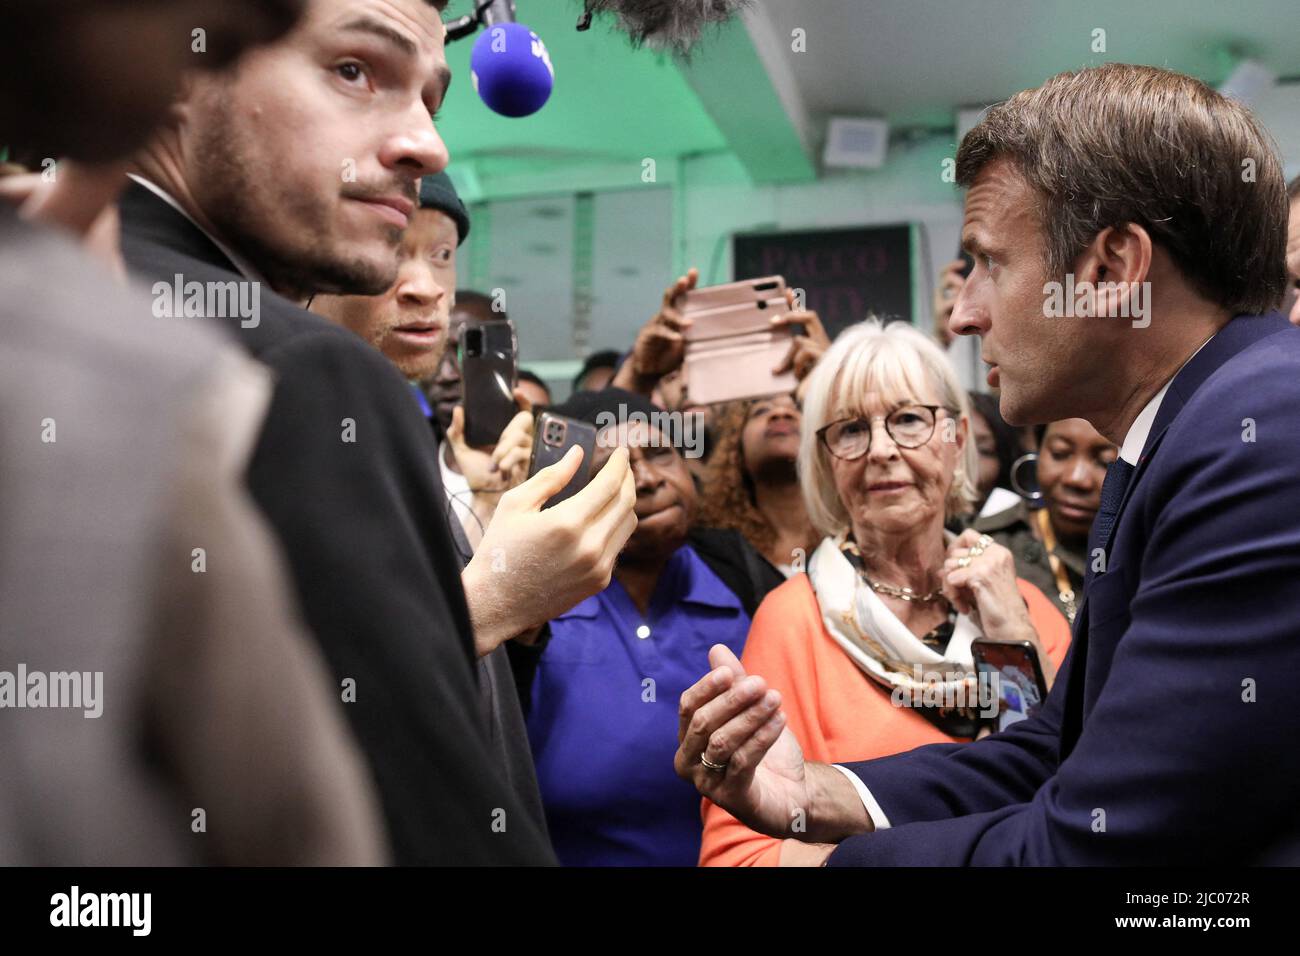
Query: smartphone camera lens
x=554, y=433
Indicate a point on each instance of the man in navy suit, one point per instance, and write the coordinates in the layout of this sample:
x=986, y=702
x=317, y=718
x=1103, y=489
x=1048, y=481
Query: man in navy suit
x=1127, y=224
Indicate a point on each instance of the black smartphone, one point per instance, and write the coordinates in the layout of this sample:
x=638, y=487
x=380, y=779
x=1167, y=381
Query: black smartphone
x=553, y=436
x=1012, y=669
x=489, y=370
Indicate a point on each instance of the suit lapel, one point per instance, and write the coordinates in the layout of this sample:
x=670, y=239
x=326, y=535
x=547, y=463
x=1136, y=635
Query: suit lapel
x=147, y=218
x=1239, y=333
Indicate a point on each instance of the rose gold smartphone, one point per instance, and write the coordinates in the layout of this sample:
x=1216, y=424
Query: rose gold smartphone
x=731, y=347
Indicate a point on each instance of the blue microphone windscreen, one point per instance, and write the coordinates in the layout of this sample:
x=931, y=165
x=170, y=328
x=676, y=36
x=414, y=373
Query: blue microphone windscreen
x=511, y=69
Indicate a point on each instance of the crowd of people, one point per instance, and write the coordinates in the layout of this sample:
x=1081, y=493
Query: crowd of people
x=331, y=630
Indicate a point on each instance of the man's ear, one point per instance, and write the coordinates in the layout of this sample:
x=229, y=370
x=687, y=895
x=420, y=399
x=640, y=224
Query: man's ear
x=1115, y=264
x=963, y=429
x=192, y=85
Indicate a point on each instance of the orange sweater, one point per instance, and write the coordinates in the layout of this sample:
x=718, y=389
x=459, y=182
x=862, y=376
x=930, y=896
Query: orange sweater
x=834, y=710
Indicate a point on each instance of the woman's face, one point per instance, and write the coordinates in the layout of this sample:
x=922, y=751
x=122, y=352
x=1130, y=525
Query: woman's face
x=986, y=447
x=770, y=434
x=891, y=488
x=665, y=494
x=1071, y=467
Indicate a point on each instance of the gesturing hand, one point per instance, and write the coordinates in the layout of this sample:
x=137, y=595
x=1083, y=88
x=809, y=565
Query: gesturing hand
x=732, y=721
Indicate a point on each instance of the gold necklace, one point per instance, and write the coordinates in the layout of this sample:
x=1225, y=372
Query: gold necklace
x=907, y=594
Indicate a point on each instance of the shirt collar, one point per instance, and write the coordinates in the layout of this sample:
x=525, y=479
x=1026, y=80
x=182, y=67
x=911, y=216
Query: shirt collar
x=685, y=571
x=1140, y=430
x=239, y=262
x=703, y=586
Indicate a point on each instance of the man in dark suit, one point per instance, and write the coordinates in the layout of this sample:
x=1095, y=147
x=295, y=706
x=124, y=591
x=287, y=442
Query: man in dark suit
x=410, y=325
x=1160, y=205
x=296, y=174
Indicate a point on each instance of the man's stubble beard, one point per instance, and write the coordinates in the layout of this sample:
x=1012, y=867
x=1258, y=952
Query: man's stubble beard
x=243, y=206
x=415, y=369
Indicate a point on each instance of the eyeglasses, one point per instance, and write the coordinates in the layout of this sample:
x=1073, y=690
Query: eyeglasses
x=908, y=426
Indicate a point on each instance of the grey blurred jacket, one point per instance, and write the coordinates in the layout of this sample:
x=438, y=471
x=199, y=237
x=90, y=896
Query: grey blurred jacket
x=212, y=699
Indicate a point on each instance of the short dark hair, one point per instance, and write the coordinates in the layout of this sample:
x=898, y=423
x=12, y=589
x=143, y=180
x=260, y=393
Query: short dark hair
x=527, y=376
x=478, y=304
x=1006, y=438
x=605, y=358
x=1120, y=144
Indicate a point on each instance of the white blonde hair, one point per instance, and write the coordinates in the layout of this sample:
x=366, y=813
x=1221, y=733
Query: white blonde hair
x=901, y=364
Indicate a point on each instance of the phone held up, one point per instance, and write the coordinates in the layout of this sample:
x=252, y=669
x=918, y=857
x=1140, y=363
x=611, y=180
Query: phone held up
x=488, y=353
x=731, y=347
x=553, y=436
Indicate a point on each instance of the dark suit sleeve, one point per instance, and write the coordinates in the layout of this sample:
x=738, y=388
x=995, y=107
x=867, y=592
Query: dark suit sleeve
x=362, y=526
x=1188, y=750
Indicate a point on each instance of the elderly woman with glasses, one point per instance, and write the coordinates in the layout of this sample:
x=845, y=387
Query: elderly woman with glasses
x=871, y=648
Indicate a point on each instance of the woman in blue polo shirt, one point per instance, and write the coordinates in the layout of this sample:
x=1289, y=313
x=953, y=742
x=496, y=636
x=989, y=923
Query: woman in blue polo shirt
x=602, y=718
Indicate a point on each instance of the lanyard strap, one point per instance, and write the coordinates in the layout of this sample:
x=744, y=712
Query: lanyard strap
x=1058, y=567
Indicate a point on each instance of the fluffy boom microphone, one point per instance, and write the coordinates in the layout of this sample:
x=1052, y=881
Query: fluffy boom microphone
x=675, y=24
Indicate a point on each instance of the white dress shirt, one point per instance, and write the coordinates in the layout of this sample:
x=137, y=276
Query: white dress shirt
x=459, y=497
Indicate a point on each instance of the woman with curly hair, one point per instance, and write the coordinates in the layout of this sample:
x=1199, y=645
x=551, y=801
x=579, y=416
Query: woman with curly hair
x=751, y=484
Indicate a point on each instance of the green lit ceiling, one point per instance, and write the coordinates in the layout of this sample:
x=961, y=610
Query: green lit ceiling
x=613, y=107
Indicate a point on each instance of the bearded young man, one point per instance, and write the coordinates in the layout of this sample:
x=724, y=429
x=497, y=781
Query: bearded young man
x=410, y=324
x=299, y=171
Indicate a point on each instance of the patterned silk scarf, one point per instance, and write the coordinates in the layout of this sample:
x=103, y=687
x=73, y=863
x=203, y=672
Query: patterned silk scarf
x=939, y=686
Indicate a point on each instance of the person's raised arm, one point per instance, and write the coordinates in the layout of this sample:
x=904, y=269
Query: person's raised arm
x=490, y=472
x=660, y=346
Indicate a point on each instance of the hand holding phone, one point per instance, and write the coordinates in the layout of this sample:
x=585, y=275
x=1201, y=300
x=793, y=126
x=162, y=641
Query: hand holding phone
x=661, y=344
x=500, y=467
x=810, y=339
x=553, y=436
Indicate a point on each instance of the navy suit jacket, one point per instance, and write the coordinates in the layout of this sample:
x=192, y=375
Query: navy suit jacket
x=1169, y=736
